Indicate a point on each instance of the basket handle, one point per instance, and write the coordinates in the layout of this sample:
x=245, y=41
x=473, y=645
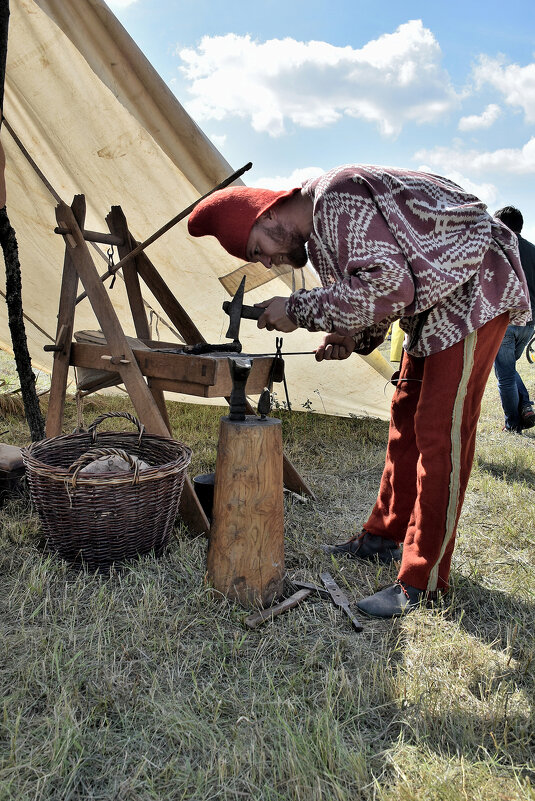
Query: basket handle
x=92, y=430
x=95, y=453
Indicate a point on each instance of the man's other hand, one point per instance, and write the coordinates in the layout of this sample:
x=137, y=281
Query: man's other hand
x=335, y=346
x=275, y=317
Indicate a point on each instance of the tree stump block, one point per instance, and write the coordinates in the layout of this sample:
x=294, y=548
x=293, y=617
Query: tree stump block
x=245, y=558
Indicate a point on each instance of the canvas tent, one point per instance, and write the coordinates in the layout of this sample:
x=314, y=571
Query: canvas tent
x=86, y=113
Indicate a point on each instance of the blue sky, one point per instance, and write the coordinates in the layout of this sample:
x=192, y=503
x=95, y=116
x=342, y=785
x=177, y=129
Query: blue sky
x=298, y=87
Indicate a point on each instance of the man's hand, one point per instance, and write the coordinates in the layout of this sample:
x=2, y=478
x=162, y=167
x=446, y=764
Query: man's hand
x=335, y=346
x=275, y=317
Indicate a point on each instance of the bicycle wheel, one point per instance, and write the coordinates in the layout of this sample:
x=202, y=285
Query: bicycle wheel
x=530, y=351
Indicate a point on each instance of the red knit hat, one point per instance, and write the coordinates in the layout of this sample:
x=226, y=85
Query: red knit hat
x=229, y=214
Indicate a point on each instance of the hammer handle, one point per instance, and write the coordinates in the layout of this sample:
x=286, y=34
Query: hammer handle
x=253, y=621
x=248, y=312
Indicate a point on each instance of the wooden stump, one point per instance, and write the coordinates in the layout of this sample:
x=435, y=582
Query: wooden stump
x=246, y=551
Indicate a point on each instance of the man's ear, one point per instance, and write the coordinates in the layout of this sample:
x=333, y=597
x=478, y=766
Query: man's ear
x=270, y=217
x=264, y=218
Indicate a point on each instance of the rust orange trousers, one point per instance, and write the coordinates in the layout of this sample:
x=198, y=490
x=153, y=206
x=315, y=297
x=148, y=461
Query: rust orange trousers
x=430, y=451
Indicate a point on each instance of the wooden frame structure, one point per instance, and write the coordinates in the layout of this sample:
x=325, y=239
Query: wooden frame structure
x=144, y=373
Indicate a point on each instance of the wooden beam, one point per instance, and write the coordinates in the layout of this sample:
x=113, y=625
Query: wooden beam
x=67, y=306
x=119, y=228
x=93, y=236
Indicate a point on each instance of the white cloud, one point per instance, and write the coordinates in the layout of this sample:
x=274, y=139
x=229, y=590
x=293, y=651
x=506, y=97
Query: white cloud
x=485, y=120
x=219, y=140
x=486, y=192
x=517, y=161
x=390, y=81
x=516, y=84
x=296, y=178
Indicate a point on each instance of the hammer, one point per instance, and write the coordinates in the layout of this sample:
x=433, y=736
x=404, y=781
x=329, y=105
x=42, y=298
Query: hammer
x=236, y=310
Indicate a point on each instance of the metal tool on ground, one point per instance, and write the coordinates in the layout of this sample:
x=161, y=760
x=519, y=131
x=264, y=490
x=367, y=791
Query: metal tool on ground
x=255, y=620
x=339, y=598
x=314, y=589
x=302, y=591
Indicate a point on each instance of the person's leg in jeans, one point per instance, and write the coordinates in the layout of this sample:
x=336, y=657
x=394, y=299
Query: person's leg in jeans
x=523, y=337
x=523, y=394
x=505, y=370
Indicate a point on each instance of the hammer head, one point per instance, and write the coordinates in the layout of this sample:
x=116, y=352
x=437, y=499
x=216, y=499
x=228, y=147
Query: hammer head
x=233, y=309
x=236, y=310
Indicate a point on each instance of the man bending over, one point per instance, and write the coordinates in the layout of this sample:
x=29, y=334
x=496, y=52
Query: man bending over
x=391, y=244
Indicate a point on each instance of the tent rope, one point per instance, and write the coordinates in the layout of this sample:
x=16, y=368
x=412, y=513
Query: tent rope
x=32, y=322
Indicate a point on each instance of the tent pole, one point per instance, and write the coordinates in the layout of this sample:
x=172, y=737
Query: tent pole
x=8, y=242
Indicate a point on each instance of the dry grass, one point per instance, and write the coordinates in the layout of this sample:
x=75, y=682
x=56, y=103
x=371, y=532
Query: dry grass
x=144, y=684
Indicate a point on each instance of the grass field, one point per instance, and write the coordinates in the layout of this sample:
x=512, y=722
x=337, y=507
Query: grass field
x=144, y=684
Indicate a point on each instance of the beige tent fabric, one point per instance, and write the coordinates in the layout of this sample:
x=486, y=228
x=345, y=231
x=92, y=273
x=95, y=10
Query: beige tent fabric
x=97, y=119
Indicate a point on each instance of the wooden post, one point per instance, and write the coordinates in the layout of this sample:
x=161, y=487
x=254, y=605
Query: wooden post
x=246, y=551
x=67, y=300
x=117, y=225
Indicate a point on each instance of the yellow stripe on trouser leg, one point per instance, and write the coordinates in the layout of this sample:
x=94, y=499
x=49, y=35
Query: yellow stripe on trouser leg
x=456, y=451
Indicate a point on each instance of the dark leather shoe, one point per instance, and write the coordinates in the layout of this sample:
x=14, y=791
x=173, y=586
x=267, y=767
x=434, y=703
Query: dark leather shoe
x=398, y=599
x=366, y=546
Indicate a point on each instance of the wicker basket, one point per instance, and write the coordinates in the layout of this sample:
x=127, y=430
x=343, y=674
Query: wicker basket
x=99, y=519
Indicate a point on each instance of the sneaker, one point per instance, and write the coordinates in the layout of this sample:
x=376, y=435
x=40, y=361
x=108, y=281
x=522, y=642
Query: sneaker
x=398, y=599
x=527, y=416
x=367, y=546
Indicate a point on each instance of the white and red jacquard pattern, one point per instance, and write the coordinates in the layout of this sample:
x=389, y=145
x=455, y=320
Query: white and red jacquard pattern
x=389, y=244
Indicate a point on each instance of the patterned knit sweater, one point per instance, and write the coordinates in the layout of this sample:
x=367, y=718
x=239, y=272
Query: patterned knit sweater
x=392, y=244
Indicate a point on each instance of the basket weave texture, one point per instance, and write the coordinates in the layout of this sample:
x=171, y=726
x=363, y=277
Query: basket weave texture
x=103, y=518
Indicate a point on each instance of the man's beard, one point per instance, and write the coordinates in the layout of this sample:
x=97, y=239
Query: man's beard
x=292, y=243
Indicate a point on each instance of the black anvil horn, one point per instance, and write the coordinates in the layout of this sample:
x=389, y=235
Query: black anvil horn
x=239, y=372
